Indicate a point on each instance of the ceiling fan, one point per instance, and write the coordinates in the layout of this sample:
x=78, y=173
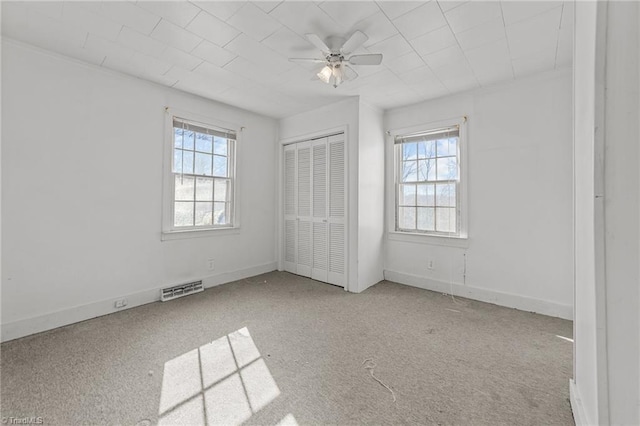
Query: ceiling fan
x=337, y=62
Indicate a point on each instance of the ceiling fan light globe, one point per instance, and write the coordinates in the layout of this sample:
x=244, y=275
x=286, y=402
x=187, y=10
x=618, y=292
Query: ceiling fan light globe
x=325, y=74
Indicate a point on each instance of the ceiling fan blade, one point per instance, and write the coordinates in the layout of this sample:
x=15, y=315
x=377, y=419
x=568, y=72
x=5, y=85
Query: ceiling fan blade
x=306, y=60
x=371, y=59
x=350, y=73
x=317, y=42
x=356, y=40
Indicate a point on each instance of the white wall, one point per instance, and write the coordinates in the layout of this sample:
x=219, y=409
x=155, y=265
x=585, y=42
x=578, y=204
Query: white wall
x=82, y=172
x=621, y=211
x=519, y=250
x=588, y=345
x=342, y=114
x=370, y=197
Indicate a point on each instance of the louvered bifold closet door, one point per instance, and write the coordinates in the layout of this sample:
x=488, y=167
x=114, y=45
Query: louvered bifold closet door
x=290, y=210
x=320, y=166
x=337, y=208
x=304, y=222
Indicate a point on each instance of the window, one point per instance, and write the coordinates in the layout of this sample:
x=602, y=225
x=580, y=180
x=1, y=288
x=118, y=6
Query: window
x=202, y=176
x=427, y=182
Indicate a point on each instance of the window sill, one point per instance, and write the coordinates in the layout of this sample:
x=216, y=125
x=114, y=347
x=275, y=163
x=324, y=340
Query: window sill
x=198, y=233
x=436, y=240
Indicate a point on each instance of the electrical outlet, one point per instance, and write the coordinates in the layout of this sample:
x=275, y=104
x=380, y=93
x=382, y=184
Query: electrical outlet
x=430, y=264
x=120, y=303
x=210, y=264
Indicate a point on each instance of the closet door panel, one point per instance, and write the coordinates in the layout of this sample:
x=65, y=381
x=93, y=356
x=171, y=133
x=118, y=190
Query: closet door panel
x=320, y=201
x=290, y=211
x=337, y=208
x=304, y=218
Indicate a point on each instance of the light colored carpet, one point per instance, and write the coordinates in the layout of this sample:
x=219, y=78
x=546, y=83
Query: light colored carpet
x=291, y=350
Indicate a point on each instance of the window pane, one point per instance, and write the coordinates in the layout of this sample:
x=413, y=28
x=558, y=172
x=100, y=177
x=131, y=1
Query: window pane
x=177, y=137
x=446, y=219
x=446, y=195
x=427, y=149
x=426, y=170
x=204, y=214
x=188, y=139
x=177, y=160
x=203, y=164
x=187, y=162
x=407, y=195
x=407, y=218
x=409, y=151
x=204, y=142
x=183, y=214
x=426, y=195
x=204, y=189
x=426, y=220
x=447, y=168
x=219, y=166
x=453, y=146
x=409, y=171
x=219, y=213
x=184, y=188
x=220, y=146
x=220, y=193
x=443, y=148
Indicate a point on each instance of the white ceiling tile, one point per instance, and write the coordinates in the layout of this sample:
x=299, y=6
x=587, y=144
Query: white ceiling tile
x=457, y=76
x=451, y=54
x=394, y=9
x=213, y=54
x=176, y=12
x=130, y=15
x=220, y=77
x=347, y=13
x=247, y=69
x=516, y=11
x=434, y=41
x=377, y=27
x=220, y=9
x=535, y=34
x=405, y=63
x=267, y=6
x=421, y=20
x=306, y=17
x=14, y=19
x=391, y=48
x=175, y=36
x=199, y=84
x=491, y=62
x=291, y=45
x=446, y=5
x=47, y=32
x=568, y=11
x=259, y=54
x=75, y=15
x=149, y=65
x=140, y=42
x=484, y=33
x=112, y=50
x=254, y=22
x=471, y=14
x=536, y=62
x=179, y=58
x=52, y=9
x=212, y=29
x=417, y=75
x=564, y=55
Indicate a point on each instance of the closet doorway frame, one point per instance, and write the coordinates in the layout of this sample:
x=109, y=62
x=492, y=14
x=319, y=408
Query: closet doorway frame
x=347, y=213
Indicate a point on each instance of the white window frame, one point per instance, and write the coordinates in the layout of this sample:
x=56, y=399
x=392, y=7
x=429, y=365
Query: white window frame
x=169, y=231
x=459, y=239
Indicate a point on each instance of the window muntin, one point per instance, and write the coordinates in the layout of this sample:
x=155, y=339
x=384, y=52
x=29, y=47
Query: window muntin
x=202, y=176
x=428, y=182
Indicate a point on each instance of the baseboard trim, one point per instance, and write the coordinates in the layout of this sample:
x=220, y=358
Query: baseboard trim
x=483, y=295
x=579, y=415
x=49, y=321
